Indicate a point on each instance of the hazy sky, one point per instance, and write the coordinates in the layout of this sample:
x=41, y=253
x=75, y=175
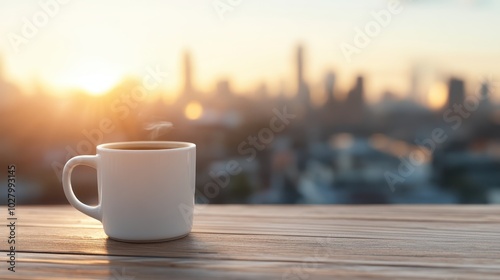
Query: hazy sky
x=92, y=44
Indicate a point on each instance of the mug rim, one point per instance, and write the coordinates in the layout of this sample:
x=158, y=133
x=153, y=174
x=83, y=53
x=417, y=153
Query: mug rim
x=177, y=146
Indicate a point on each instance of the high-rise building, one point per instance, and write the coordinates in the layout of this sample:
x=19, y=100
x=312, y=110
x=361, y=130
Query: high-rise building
x=187, y=70
x=300, y=66
x=415, y=85
x=262, y=92
x=484, y=93
x=223, y=88
x=355, y=98
x=329, y=86
x=302, y=88
x=456, y=92
x=353, y=109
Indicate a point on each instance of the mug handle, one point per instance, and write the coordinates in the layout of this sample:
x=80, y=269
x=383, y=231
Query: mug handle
x=91, y=161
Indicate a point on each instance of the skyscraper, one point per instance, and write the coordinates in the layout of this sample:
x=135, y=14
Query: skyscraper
x=300, y=67
x=456, y=92
x=329, y=86
x=187, y=69
x=262, y=92
x=224, y=88
x=354, y=105
x=355, y=98
x=302, y=88
x=484, y=92
x=415, y=84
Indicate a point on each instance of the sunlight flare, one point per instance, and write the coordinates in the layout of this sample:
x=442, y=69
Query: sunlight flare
x=437, y=96
x=193, y=110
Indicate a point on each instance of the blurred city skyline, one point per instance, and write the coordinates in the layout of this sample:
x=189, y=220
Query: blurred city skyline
x=318, y=102
x=88, y=46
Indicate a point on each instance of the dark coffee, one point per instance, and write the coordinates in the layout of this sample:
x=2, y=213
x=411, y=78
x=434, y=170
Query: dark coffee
x=142, y=148
x=146, y=145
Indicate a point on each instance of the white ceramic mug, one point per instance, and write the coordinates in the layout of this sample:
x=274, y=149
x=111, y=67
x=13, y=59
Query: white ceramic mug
x=146, y=189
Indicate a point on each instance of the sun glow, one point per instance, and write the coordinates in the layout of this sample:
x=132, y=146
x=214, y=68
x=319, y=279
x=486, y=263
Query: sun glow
x=93, y=77
x=193, y=110
x=95, y=83
x=437, y=95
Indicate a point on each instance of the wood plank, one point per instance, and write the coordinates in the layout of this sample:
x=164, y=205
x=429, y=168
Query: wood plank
x=311, y=227
x=59, y=266
x=234, y=241
x=298, y=226
x=261, y=247
x=428, y=213
x=276, y=239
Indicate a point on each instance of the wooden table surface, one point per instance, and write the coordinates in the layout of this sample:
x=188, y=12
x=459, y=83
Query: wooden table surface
x=268, y=242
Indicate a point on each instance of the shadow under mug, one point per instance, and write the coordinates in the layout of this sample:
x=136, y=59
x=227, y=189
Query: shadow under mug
x=145, y=188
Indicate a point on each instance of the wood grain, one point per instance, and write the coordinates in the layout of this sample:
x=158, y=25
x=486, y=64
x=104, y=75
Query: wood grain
x=270, y=242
